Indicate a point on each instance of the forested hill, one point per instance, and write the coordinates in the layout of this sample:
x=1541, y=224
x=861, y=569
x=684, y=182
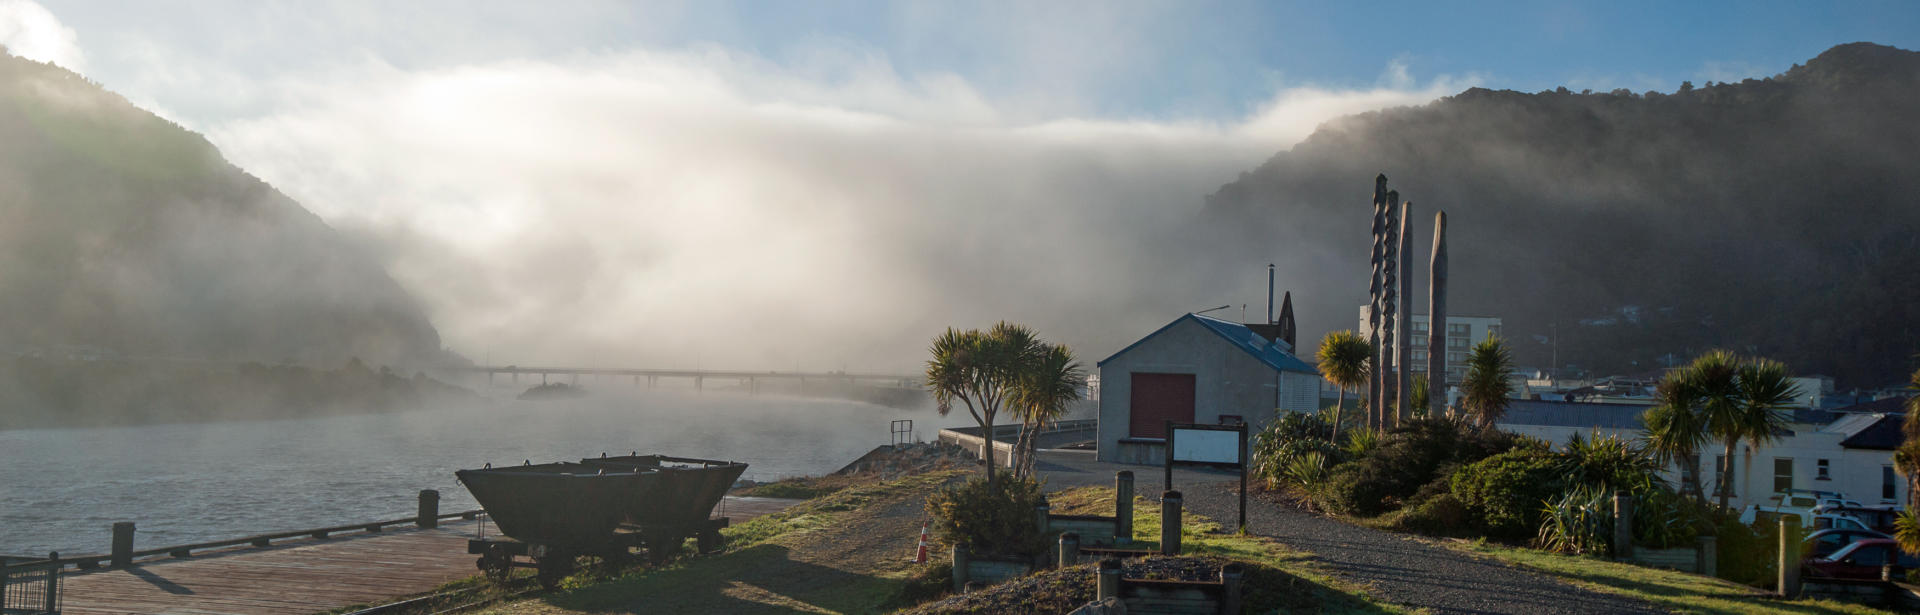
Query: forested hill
x=1775, y=216
x=122, y=234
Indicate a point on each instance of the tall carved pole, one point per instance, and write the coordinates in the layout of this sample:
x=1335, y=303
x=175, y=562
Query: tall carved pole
x=1389, y=306
x=1373, y=297
x=1437, y=321
x=1403, y=400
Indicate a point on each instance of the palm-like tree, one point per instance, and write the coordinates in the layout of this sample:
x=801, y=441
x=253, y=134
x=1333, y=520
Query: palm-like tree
x=1676, y=429
x=1006, y=367
x=1487, y=385
x=1049, y=382
x=1762, y=389
x=1419, y=395
x=1343, y=358
x=1739, y=399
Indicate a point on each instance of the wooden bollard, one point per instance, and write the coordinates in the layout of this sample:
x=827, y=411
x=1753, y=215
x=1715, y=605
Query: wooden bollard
x=1041, y=512
x=429, y=509
x=1707, y=556
x=121, y=555
x=1170, y=523
x=1123, y=507
x=959, y=568
x=1789, y=564
x=1107, y=584
x=1622, y=525
x=1232, y=576
x=1069, y=549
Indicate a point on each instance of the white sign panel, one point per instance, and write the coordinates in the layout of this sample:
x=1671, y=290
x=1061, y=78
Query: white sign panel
x=1206, y=446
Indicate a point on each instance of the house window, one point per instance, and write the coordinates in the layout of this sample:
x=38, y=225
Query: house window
x=1721, y=465
x=1458, y=342
x=1820, y=469
x=1456, y=357
x=1420, y=326
x=1460, y=330
x=1886, y=483
x=1688, y=474
x=1782, y=474
x=1493, y=330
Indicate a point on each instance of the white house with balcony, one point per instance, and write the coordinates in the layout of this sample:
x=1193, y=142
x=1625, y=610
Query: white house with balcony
x=1849, y=450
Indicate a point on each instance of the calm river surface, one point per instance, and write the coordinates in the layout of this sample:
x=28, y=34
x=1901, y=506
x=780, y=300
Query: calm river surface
x=62, y=489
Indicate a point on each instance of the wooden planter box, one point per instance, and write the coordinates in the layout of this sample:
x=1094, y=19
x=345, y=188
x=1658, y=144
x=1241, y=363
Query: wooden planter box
x=1094, y=530
x=986, y=570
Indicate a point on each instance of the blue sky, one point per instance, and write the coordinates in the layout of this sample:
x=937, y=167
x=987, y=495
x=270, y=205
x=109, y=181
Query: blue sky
x=1158, y=60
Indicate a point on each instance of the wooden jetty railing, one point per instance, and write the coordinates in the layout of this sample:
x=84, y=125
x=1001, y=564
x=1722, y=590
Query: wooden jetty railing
x=123, y=554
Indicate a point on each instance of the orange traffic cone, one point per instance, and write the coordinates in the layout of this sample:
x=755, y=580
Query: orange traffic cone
x=920, y=554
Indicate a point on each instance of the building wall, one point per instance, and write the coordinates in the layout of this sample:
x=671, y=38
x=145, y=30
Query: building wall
x=1464, y=332
x=1227, y=381
x=1855, y=472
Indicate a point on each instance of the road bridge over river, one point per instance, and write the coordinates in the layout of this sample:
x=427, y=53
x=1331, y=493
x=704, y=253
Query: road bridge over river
x=751, y=380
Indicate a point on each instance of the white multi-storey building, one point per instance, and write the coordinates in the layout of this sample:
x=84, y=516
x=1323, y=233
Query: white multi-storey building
x=1462, y=333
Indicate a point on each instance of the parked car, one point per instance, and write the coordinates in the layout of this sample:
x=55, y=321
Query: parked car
x=1826, y=542
x=1861, y=560
x=1769, y=515
x=1876, y=517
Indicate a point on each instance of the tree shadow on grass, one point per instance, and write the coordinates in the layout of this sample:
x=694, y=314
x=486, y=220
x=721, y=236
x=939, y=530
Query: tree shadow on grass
x=759, y=579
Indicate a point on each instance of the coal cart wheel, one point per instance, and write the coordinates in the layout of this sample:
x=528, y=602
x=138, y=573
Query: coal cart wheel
x=496, y=564
x=663, y=544
x=549, y=569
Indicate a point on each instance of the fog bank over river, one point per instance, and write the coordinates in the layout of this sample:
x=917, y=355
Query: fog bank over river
x=62, y=489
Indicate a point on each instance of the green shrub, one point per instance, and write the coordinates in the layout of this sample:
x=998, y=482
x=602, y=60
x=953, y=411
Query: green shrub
x=1745, y=554
x=1580, y=520
x=1361, y=442
x=1441, y=515
x=1285, y=441
x=991, y=519
x=1507, y=492
x=1610, y=464
x=1409, y=458
x=1663, y=519
x=1358, y=488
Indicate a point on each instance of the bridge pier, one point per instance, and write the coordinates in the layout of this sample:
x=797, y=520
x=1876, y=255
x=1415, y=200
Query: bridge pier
x=699, y=383
x=576, y=379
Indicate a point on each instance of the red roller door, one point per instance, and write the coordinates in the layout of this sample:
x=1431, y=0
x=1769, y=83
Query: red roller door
x=1156, y=399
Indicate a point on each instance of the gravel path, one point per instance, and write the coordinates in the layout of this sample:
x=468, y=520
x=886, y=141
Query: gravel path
x=1403, y=570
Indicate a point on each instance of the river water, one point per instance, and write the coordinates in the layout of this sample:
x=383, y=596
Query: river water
x=62, y=489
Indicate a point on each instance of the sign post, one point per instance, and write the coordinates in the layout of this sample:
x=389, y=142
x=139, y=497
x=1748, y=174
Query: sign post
x=1218, y=446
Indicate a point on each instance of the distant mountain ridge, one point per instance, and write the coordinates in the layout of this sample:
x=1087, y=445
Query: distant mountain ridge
x=1776, y=216
x=126, y=235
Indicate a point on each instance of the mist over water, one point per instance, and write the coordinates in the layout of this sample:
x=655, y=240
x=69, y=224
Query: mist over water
x=187, y=483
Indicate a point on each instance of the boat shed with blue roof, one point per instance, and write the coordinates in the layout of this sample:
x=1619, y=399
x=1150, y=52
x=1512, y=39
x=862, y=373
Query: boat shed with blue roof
x=1198, y=369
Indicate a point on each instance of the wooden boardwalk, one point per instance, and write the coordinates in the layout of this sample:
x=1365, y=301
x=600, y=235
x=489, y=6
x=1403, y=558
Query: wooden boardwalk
x=306, y=576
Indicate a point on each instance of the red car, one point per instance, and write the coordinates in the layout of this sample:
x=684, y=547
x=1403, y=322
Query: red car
x=1861, y=560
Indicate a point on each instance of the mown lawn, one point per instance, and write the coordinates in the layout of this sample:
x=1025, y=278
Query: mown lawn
x=1680, y=591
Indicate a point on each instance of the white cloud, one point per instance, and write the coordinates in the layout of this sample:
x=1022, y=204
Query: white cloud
x=668, y=208
x=30, y=31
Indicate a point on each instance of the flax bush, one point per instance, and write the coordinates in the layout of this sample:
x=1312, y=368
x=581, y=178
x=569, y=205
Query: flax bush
x=990, y=518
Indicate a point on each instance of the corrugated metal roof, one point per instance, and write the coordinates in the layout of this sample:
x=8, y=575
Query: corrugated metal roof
x=1881, y=433
x=1572, y=414
x=1267, y=351
x=1852, y=423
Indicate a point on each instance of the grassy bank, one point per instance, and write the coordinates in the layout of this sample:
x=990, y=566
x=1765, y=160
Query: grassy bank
x=1279, y=579
x=843, y=552
x=1680, y=591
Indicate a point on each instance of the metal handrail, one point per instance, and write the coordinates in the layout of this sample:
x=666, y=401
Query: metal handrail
x=257, y=540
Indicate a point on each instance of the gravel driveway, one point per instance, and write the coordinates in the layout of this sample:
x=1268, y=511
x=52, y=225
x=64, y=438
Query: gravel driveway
x=1403, y=570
